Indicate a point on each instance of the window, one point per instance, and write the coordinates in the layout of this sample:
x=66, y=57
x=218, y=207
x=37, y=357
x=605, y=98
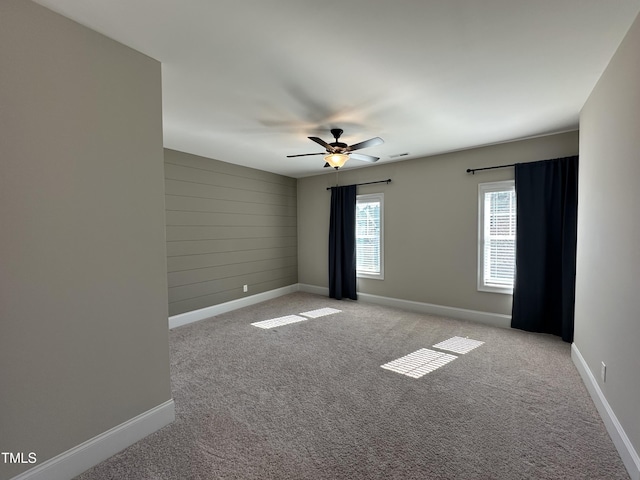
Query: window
x=496, y=236
x=369, y=232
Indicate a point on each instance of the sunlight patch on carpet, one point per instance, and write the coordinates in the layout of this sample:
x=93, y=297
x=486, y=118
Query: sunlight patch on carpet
x=458, y=345
x=419, y=363
x=320, y=312
x=276, y=322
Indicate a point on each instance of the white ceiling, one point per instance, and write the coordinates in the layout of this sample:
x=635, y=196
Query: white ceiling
x=246, y=81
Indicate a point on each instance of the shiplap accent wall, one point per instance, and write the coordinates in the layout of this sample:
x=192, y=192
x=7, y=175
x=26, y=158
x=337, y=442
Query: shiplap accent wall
x=227, y=226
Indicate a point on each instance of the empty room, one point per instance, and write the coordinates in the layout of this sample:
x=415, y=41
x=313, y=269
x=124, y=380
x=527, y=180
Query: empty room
x=301, y=240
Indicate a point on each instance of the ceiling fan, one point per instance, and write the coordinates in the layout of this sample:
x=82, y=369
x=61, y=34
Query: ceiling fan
x=337, y=153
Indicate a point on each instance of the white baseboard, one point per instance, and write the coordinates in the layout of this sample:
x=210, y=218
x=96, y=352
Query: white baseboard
x=73, y=462
x=305, y=287
x=493, y=319
x=212, y=311
x=620, y=439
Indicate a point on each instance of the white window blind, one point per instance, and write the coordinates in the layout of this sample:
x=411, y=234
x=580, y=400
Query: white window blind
x=497, y=239
x=369, y=253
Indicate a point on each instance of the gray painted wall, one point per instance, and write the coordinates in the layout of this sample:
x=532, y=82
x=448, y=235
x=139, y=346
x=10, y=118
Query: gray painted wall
x=607, y=325
x=83, y=292
x=227, y=226
x=431, y=222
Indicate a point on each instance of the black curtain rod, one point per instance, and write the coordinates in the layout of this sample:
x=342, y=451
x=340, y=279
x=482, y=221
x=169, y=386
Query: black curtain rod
x=474, y=170
x=365, y=183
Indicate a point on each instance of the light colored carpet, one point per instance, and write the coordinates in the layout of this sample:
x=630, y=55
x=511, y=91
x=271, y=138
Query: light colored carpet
x=309, y=400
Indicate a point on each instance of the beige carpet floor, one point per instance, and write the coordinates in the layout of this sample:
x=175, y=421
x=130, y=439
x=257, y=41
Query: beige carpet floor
x=309, y=400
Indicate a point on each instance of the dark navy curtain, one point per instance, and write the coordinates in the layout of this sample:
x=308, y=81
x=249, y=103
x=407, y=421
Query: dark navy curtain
x=546, y=234
x=342, y=243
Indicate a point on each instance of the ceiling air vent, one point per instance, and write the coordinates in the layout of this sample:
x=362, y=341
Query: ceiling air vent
x=398, y=155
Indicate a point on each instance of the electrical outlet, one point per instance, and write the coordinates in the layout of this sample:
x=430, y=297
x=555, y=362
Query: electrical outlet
x=245, y=288
x=603, y=372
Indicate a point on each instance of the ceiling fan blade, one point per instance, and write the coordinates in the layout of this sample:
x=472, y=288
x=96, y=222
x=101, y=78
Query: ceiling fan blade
x=319, y=141
x=363, y=157
x=372, y=142
x=306, y=154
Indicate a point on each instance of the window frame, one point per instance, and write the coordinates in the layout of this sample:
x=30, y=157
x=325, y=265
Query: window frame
x=372, y=197
x=483, y=188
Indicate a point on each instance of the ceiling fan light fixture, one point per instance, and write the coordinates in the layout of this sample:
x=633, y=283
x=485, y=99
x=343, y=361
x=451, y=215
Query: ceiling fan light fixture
x=336, y=160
